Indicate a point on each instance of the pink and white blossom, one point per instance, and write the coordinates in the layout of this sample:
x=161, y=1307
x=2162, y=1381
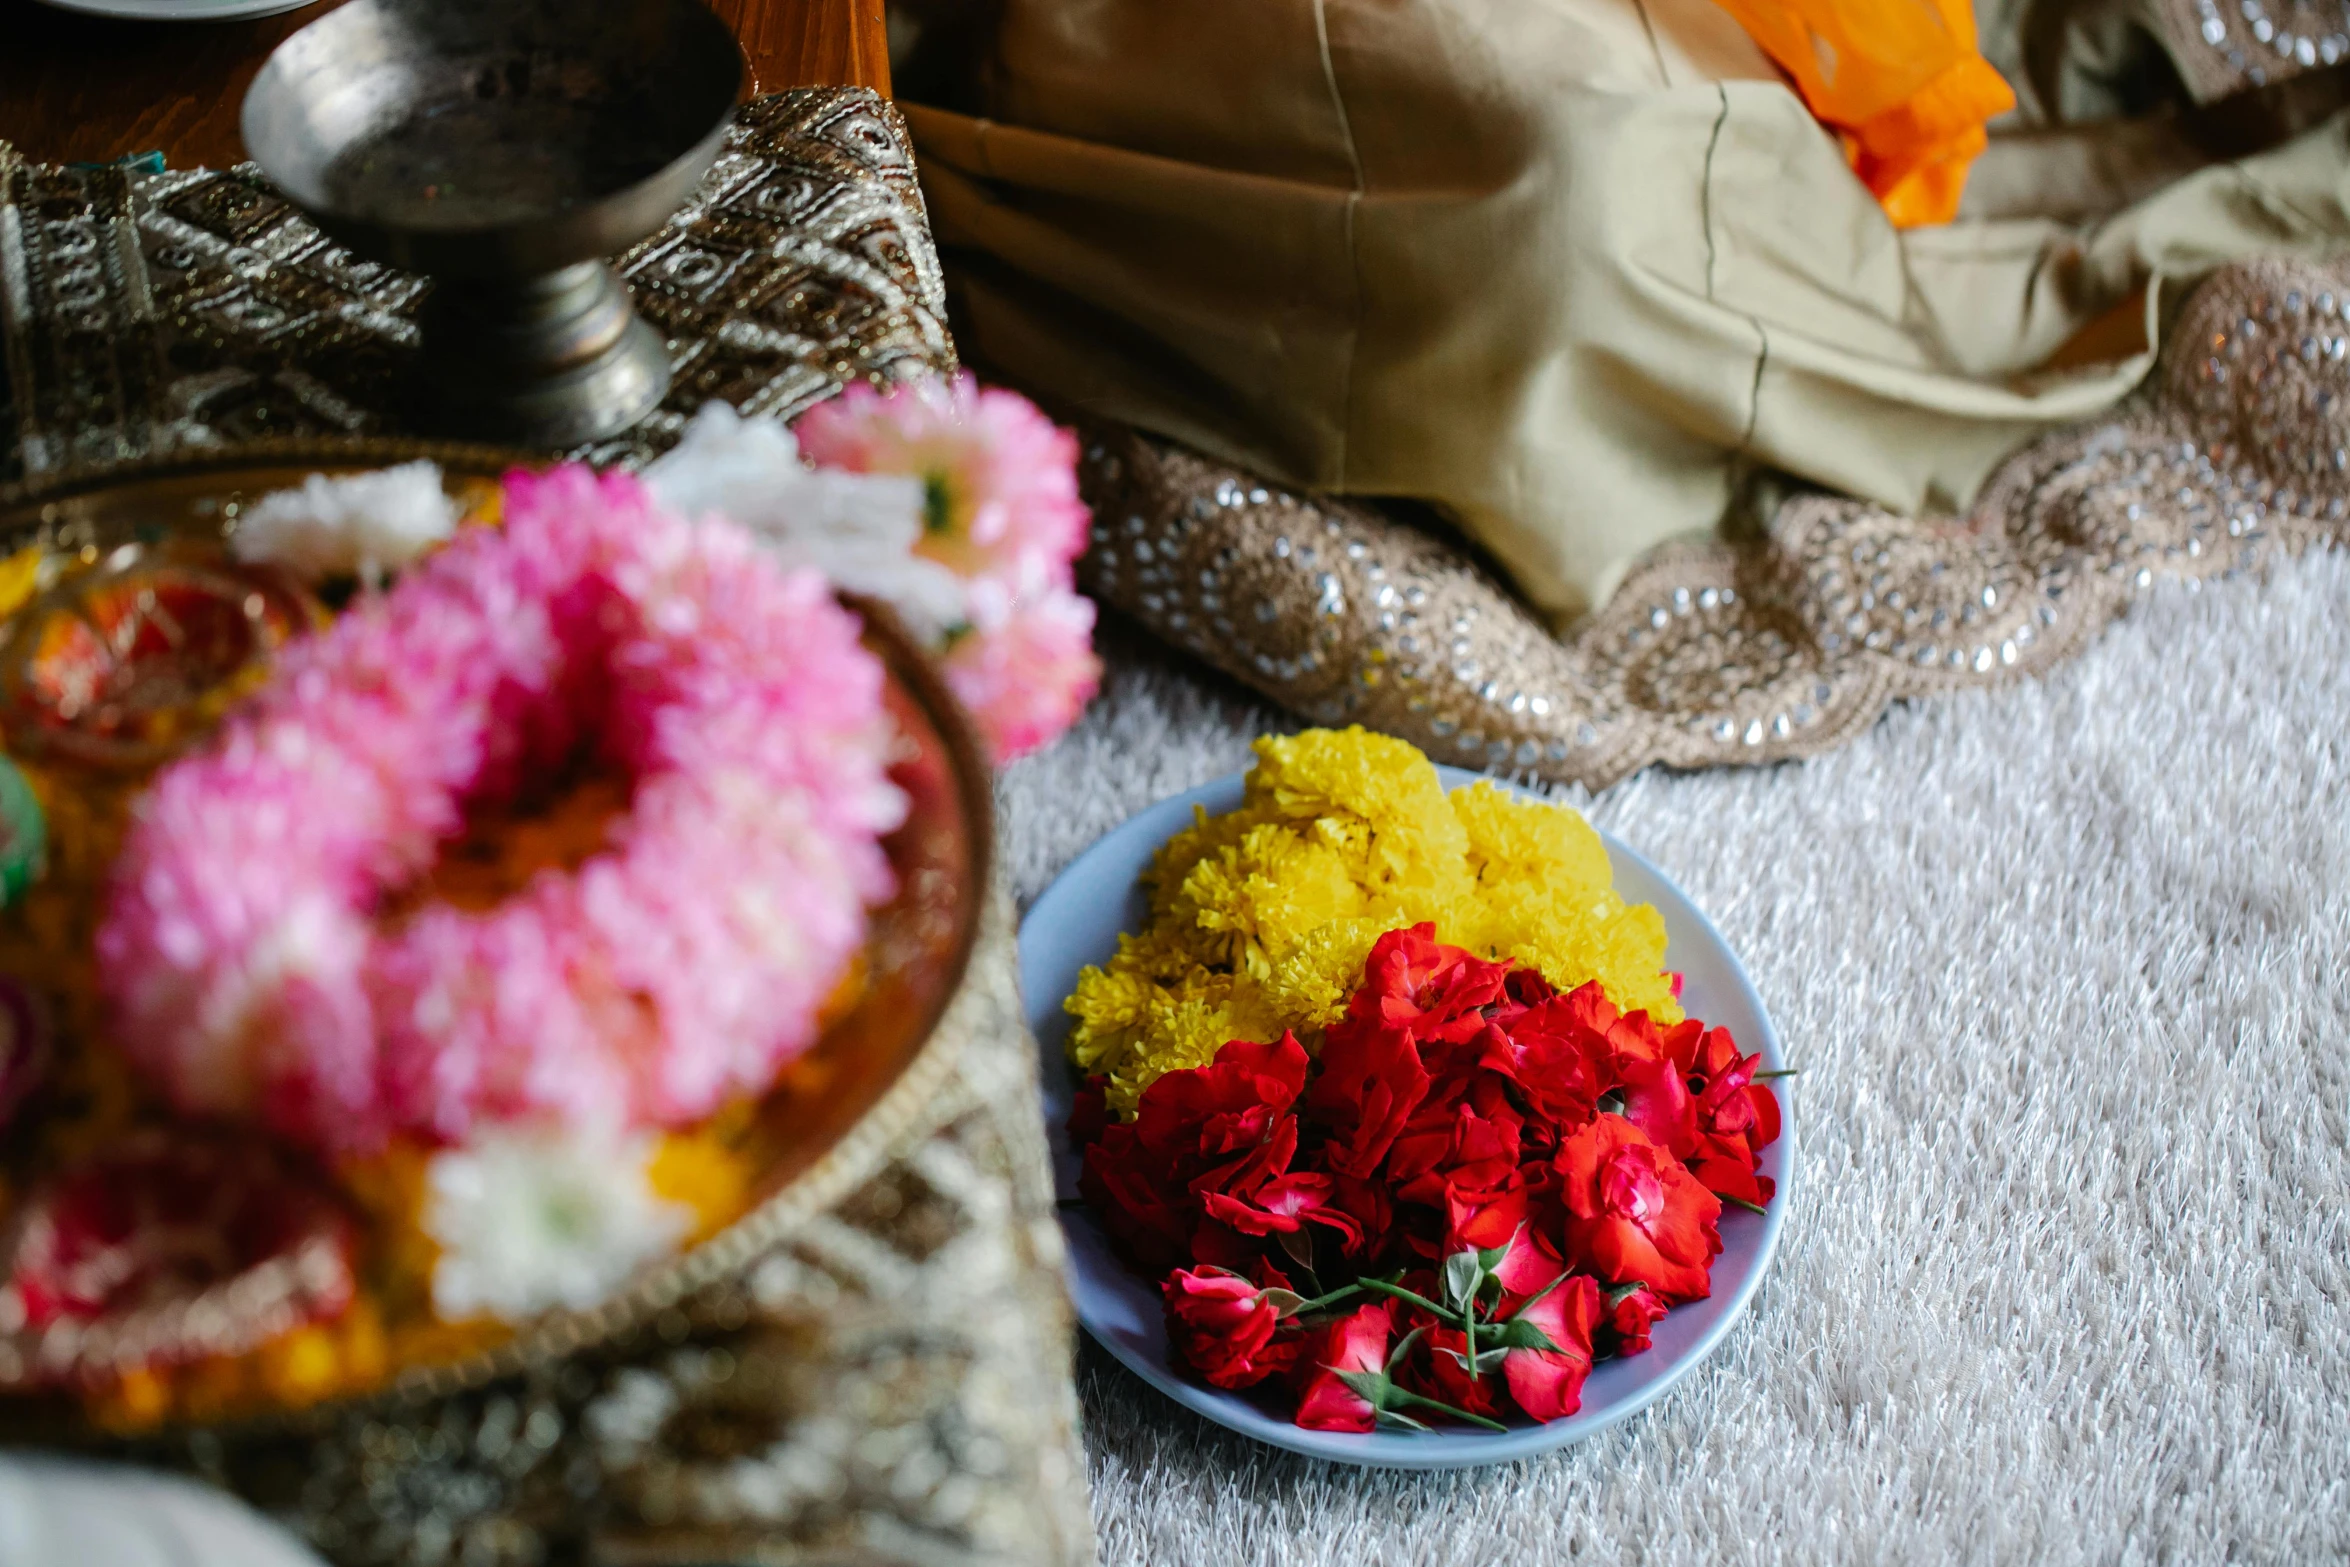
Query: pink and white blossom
x=241, y=954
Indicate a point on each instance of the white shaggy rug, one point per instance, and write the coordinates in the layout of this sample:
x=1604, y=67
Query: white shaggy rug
x=2066, y=968
x=2067, y=1277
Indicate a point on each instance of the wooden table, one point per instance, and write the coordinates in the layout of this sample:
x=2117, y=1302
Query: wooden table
x=84, y=89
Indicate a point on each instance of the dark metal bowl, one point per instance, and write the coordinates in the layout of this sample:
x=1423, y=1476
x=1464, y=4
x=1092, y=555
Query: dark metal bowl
x=494, y=139
x=503, y=147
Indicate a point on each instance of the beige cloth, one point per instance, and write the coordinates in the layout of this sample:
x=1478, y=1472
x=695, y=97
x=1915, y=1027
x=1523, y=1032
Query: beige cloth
x=1569, y=269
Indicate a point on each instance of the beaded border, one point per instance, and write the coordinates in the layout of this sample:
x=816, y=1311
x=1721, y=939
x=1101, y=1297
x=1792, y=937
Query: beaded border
x=2236, y=452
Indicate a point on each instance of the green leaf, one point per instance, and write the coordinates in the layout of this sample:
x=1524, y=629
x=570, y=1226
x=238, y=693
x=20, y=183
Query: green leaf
x=1493, y=1257
x=1287, y=1302
x=1300, y=1247
x=1463, y=1272
x=1488, y=1360
x=1519, y=1333
x=1402, y=1422
x=1614, y=1294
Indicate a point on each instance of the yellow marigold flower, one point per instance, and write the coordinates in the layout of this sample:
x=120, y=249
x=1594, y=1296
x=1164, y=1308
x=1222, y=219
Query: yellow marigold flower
x=136, y=1401
x=20, y=577
x=1309, y=990
x=702, y=1171
x=1261, y=919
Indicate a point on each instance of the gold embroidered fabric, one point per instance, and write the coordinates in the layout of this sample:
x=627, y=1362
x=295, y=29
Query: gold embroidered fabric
x=194, y=308
x=2237, y=450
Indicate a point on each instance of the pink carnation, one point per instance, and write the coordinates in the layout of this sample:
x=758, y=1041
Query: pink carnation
x=240, y=953
x=1000, y=478
x=1026, y=679
x=1003, y=513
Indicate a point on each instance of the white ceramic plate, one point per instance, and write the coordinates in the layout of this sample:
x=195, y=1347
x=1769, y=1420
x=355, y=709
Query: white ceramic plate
x=1078, y=921
x=180, y=10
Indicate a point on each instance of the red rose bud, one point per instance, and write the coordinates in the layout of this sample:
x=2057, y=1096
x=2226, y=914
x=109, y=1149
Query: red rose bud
x=1726, y=1167
x=1560, y=1047
x=1089, y=1113
x=1469, y=1145
x=1413, y=981
x=1353, y=1344
x=1149, y=1217
x=1735, y=1118
x=1483, y=1221
x=1223, y=1127
x=1225, y=1107
x=1632, y=1310
x=1371, y=1081
x=1656, y=1099
x=1439, y=1370
x=1225, y=1329
x=1633, y=1212
x=1545, y=1368
x=1283, y=1207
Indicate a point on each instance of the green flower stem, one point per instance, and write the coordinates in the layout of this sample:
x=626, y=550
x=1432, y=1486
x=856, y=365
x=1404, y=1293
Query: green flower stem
x=1321, y=1301
x=1740, y=1202
x=1790, y=1071
x=1408, y=1396
x=1442, y=1314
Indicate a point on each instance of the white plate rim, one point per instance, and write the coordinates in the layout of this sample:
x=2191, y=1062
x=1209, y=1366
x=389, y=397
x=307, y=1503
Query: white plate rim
x=179, y=10
x=1048, y=972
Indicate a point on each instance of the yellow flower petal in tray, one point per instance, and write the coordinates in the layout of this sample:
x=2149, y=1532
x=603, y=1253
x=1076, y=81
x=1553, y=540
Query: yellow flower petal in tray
x=1261, y=919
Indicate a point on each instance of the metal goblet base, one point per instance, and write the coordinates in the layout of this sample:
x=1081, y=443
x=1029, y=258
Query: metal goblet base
x=549, y=361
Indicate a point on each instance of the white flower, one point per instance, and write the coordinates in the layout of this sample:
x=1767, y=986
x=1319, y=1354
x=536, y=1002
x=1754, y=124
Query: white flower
x=531, y=1217
x=858, y=529
x=364, y=524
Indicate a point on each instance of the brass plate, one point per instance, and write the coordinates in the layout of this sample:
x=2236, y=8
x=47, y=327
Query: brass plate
x=838, y=1107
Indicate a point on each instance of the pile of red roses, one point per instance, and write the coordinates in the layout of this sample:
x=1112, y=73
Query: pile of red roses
x=1477, y=1176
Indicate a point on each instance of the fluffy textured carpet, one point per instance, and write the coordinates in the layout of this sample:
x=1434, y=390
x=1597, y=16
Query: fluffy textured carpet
x=2066, y=968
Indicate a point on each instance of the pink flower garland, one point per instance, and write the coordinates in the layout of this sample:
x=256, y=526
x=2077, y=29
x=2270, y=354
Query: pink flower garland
x=240, y=952
x=1004, y=514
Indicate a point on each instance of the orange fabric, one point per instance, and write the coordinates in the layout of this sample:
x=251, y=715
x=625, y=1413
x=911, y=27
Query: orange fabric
x=1899, y=81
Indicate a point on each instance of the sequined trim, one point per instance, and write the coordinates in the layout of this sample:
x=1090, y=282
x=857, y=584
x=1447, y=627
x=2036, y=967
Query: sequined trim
x=1726, y=653
x=2225, y=46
